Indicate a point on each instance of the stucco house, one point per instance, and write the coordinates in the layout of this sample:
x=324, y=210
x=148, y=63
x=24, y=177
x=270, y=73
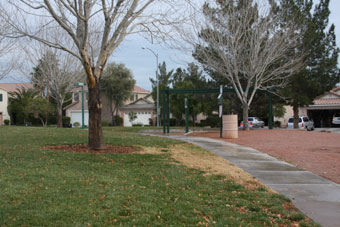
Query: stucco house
x=144, y=110
x=74, y=109
x=5, y=88
x=321, y=111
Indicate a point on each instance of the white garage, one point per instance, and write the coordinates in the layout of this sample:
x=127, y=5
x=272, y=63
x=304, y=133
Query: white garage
x=144, y=110
x=76, y=117
x=142, y=118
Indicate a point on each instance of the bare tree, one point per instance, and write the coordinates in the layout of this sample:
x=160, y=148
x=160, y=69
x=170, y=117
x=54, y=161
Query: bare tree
x=246, y=42
x=55, y=73
x=110, y=20
x=6, y=46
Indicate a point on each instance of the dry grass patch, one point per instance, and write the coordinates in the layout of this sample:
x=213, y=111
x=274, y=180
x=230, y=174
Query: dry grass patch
x=198, y=158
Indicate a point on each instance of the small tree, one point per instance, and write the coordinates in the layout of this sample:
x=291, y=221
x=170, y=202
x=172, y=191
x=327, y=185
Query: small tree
x=132, y=116
x=54, y=74
x=117, y=85
x=40, y=108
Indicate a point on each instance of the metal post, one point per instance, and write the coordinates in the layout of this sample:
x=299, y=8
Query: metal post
x=270, y=106
x=168, y=111
x=186, y=106
x=158, y=110
x=82, y=108
x=220, y=110
x=164, y=109
x=81, y=84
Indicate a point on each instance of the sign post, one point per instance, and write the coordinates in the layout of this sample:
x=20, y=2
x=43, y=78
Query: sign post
x=220, y=109
x=81, y=84
x=186, y=106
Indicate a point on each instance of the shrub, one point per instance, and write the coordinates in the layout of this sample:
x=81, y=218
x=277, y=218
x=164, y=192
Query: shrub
x=172, y=122
x=212, y=121
x=150, y=122
x=76, y=124
x=137, y=125
x=277, y=124
x=6, y=122
x=118, y=120
x=105, y=123
x=66, y=120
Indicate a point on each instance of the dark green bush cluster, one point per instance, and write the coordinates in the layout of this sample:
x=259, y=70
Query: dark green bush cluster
x=277, y=124
x=6, y=122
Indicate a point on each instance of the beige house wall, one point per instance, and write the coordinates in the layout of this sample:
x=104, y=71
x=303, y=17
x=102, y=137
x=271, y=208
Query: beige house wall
x=3, y=106
x=288, y=114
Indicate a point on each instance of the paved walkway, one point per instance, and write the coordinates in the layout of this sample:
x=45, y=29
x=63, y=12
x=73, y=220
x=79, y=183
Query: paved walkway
x=315, y=196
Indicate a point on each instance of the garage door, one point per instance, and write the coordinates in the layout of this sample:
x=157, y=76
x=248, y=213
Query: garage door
x=142, y=118
x=76, y=117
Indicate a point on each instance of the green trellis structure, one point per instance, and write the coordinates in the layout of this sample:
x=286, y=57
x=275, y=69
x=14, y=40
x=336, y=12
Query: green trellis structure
x=166, y=103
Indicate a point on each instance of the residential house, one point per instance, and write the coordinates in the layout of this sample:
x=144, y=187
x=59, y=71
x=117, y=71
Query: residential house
x=144, y=109
x=321, y=111
x=5, y=88
x=74, y=109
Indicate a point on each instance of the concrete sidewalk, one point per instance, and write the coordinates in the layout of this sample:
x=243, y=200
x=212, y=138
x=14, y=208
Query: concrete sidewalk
x=315, y=196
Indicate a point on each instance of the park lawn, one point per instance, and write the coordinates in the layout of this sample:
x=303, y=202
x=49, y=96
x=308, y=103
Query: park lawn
x=40, y=187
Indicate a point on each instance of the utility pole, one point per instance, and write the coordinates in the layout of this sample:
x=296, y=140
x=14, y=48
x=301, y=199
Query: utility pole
x=157, y=79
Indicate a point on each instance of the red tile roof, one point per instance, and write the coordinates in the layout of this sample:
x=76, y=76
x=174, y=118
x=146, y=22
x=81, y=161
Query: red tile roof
x=139, y=89
x=10, y=87
x=333, y=101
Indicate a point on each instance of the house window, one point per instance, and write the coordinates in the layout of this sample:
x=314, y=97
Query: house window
x=76, y=97
x=0, y=97
x=136, y=96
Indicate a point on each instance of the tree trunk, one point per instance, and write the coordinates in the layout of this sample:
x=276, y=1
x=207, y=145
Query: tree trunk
x=59, y=115
x=96, y=138
x=296, y=116
x=245, y=108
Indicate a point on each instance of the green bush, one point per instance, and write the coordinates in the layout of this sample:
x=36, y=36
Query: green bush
x=212, y=121
x=66, y=120
x=6, y=122
x=137, y=125
x=118, y=120
x=105, y=123
x=173, y=122
x=76, y=124
x=277, y=124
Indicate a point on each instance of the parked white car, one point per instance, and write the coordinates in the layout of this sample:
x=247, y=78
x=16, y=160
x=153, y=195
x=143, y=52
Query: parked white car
x=336, y=119
x=253, y=122
x=304, y=123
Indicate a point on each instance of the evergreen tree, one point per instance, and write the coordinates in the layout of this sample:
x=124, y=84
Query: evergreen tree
x=117, y=84
x=165, y=81
x=321, y=53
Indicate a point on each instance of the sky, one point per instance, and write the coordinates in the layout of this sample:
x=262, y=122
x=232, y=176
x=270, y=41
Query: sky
x=142, y=62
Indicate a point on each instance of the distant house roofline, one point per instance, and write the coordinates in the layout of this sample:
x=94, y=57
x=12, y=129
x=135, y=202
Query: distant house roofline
x=11, y=87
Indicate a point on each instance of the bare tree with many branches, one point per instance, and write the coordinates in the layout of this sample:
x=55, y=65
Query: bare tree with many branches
x=6, y=46
x=55, y=72
x=85, y=20
x=245, y=42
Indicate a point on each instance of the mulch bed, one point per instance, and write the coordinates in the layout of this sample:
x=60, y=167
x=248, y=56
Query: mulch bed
x=318, y=152
x=83, y=148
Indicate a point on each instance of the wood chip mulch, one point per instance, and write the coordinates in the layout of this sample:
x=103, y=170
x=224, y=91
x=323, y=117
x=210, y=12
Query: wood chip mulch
x=83, y=148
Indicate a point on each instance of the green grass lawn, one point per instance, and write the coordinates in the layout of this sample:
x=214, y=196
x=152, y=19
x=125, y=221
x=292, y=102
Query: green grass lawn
x=40, y=187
